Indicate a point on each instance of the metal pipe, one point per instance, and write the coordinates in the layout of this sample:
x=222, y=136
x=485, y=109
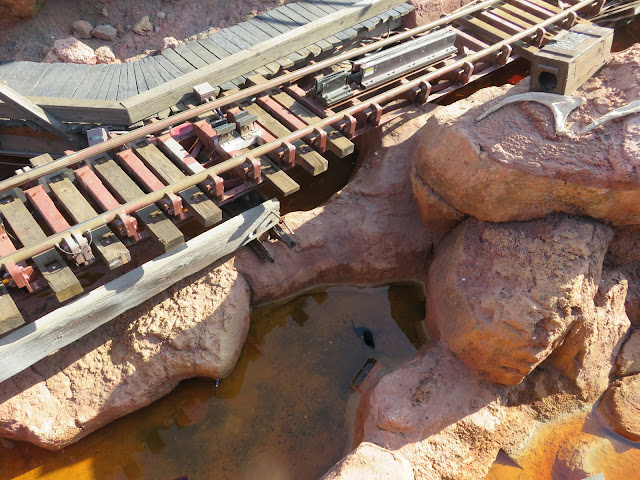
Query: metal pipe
x=112, y=143
x=104, y=218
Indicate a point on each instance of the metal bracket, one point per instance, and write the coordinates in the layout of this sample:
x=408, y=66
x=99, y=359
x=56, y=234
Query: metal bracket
x=78, y=247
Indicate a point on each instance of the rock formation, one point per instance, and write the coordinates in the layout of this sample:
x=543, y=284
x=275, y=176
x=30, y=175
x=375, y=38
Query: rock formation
x=504, y=296
x=195, y=328
x=512, y=166
x=619, y=408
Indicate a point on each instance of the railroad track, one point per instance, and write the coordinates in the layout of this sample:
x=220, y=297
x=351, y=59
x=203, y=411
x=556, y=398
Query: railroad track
x=92, y=208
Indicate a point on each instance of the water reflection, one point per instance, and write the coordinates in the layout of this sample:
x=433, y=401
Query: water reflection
x=281, y=414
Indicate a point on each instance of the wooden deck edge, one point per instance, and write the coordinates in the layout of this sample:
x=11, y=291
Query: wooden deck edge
x=172, y=92
x=75, y=110
x=27, y=345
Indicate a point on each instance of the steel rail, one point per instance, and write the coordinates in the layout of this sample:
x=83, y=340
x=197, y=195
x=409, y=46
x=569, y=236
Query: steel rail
x=120, y=140
x=25, y=253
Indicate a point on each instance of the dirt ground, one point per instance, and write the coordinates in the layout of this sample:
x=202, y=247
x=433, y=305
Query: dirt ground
x=30, y=39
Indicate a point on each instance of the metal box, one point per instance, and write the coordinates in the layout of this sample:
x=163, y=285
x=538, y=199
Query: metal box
x=571, y=59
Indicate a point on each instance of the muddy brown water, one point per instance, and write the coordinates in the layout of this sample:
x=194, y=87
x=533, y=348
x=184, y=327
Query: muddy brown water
x=280, y=415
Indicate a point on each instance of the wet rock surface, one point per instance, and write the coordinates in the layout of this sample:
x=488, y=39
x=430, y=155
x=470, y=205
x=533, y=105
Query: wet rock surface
x=503, y=296
x=195, y=328
x=512, y=166
x=619, y=408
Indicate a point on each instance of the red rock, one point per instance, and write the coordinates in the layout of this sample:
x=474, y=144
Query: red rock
x=368, y=233
x=168, y=42
x=628, y=361
x=105, y=32
x=143, y=26
x=444, y=420
x=588, y=354
x=81, y=29
x=503, y=296
x=619, y=408
x=429, y=10
x=512, y=166
x=72, y=50
x=371, y=462
x=105, y=55
x=19, y=8
x=131, y=361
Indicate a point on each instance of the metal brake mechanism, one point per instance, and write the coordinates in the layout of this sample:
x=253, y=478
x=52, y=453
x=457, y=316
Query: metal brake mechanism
x=560, y=105
x=78, y=247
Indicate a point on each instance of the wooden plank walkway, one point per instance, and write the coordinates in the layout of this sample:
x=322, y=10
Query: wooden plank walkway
x=92, y=93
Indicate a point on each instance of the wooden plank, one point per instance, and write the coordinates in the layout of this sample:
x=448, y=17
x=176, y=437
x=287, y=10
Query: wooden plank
x=73, y=82
x=28, y=146
x=252, y=31
x=93, y=76
x=151, y=76
x=306, y=157
x=104, y=242
x=190, y=57
x=101, y=87
x=127, y=87
x=126, y=190
x=54, y=73
x=270, y=22
x=287, y=12
x=53, y=268
x=141, y=81
x=156, y=99
x=23, y=347
x=195, y=200
x=33, y=77
x=57, y=83
x=202, y=52
x=112, y=92
x=492, y=34
x=327, y=44
x=336, y=142
x=16, y=74
x=178, y=61
x=34, y=113
x=280, y=180
x=168, y=67
x=10, y=317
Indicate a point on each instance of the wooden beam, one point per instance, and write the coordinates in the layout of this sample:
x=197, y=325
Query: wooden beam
x=10, y=317
x=23, y=347
x=172, y=92
x=33, y=112
x=74, y=110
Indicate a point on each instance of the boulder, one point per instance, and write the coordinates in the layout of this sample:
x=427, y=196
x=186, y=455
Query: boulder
x=512, y=166
x=71, y=50
x=577, y=459
x=105, y=55
x=143, y=26
x=504, y=296
x=619, y=408
x=196, y=328
x=104, y=32
x=11, y=9
x=588, y=354
x=367, y=233
x=628, y=361
x=425, y=11
x=373, y=463
x=81, y=29
x=168, y=42
x=448, y=423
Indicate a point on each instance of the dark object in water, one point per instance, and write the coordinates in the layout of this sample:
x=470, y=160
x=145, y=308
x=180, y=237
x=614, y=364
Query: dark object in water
x=366, y=335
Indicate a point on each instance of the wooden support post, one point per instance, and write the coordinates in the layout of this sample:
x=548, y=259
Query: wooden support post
x=10, y=317
x=23, y=347
x=33, y=112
